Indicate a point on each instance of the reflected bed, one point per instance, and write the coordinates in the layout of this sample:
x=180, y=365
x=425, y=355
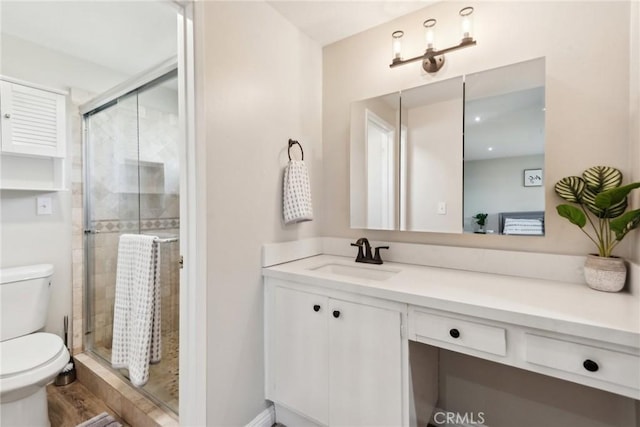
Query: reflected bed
x=521, y=223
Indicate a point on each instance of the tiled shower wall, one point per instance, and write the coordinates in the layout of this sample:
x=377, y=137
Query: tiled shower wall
x=105, y=247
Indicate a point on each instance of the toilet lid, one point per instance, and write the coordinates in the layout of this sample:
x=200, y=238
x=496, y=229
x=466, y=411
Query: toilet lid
x=28, y=352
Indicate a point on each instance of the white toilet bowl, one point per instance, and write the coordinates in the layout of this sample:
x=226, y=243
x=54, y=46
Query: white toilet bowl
x=28, y=359
x=27, y=365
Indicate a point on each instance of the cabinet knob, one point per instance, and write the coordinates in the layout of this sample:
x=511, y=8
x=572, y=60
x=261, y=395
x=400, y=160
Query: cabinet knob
x=454, y=333
x=316, y=308
x=7, y=115
x=336, y=313
x=590, y=365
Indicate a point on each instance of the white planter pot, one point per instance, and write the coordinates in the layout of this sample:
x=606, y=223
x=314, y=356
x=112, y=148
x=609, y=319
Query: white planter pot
x=605, y=274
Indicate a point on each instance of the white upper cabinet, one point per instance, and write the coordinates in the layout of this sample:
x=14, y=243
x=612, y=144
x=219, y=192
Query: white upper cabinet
x=33, y=130
x=33, y=120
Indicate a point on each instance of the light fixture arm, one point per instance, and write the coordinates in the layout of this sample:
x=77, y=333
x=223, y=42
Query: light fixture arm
x=432, y=55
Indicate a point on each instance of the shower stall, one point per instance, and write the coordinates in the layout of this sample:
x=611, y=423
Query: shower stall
x=132, y=182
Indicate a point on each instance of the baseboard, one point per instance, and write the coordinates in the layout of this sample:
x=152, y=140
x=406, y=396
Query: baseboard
x=266, y=418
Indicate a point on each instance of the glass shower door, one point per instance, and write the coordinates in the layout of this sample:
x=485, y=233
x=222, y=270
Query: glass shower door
x=132, y=186
x=112, y=208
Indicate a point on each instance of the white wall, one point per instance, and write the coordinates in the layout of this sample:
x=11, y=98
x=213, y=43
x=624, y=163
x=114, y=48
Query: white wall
x=26, y=237
x=587, y=123
x=31, y=239
x=587, y=116
x=260, y=84
x=496, y=185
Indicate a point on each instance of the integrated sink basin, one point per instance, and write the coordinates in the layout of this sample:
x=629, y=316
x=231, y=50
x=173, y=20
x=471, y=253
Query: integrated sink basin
x=360, y=272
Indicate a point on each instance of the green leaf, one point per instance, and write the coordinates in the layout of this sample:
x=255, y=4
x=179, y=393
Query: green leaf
x=601, y=178
x=573, y=214
x=611, y=197
x=570, y=188
x=589, y=201
x=624, y=224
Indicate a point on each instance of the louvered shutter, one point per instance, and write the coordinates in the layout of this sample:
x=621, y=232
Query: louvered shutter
x=33, y=120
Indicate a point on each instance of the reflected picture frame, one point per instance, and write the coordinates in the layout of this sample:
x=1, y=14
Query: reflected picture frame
x=533, y=178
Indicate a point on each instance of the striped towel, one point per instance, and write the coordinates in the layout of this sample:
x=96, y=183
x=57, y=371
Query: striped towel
x=296, y=194
x=136, y=317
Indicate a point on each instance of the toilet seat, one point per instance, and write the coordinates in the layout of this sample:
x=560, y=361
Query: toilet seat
x=30, y=359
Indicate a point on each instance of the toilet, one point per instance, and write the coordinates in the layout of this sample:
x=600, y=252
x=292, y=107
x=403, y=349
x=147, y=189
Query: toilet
x=29, y=360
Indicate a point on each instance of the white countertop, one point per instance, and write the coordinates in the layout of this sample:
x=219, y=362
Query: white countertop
x=562, y=307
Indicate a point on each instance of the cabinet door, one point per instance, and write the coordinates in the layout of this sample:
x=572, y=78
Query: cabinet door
x=300, y=356
x=365, y=365
x=33, y=121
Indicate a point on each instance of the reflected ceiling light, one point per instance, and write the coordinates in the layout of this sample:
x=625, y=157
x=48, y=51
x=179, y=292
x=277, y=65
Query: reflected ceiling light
x=477, y=119
x=433, y=59
x=490, y=148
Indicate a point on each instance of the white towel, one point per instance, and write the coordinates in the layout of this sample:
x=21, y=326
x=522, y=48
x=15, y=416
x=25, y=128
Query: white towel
x=296, y=194
x=136, y=317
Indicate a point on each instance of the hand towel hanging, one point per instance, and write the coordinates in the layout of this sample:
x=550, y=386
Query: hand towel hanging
x=136, y=318
x=296, y=194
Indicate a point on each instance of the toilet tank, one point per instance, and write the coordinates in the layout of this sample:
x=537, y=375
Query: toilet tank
x=24, y=299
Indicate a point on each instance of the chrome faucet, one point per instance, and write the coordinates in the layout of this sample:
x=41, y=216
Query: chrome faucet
x=364, y=252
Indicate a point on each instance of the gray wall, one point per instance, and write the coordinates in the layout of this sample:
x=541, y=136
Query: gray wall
x=496, y=185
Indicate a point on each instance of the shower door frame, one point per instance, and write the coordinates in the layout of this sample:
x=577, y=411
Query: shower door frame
x=193, y=247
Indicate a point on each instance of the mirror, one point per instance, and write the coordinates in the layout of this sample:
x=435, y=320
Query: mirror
x=431, y=157
x=504, y=150
x=409, y=164
x=374, y=163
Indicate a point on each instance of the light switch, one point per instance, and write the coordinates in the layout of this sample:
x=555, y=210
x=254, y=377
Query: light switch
x=44, y=206
x=442, y=208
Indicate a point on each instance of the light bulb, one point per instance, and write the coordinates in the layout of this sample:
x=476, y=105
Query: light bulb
x=396, y=45
x=430, y=32
x=467, y=23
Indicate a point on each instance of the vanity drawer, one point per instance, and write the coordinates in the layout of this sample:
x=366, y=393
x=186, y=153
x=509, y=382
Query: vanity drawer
x=464, y=333
x=598, y=363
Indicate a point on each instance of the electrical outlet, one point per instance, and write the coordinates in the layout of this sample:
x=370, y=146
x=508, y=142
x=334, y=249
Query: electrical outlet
x=442, y=208
x=43, y=206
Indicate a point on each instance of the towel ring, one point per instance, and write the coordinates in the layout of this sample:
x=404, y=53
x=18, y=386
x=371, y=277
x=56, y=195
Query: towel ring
x=291, y=143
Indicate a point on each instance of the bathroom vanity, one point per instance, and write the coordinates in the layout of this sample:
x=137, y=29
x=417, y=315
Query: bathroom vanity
x=337, y=334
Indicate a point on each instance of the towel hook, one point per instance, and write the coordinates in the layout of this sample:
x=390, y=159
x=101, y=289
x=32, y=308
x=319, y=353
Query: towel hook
x=291, y=143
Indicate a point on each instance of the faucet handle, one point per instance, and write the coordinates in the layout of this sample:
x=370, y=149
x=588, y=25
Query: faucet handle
x=377, y=257
x=360, y=254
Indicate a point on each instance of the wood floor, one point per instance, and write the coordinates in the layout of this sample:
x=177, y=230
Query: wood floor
x=72, y=404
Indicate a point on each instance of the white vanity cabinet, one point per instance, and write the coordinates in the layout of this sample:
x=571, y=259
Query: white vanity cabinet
x=33, y=129
x=333, y=359
x=595, y=363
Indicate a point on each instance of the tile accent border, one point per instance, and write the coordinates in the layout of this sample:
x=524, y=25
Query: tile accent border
x=116, y=225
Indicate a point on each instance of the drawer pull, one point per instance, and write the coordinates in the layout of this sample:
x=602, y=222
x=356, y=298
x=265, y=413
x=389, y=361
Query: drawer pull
x=336, y=313
x=454, y=333
x=316, y=308
x=590, y=365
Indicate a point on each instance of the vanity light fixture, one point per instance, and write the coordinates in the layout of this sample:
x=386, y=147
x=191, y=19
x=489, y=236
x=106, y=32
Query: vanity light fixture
x=433, y=59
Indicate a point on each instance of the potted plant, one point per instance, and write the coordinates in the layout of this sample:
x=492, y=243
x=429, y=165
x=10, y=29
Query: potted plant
x=602, y=202
x=481, y=220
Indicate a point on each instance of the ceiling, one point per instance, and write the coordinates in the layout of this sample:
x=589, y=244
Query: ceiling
x=125, y=36
x=118, y=34
x=329, y=21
